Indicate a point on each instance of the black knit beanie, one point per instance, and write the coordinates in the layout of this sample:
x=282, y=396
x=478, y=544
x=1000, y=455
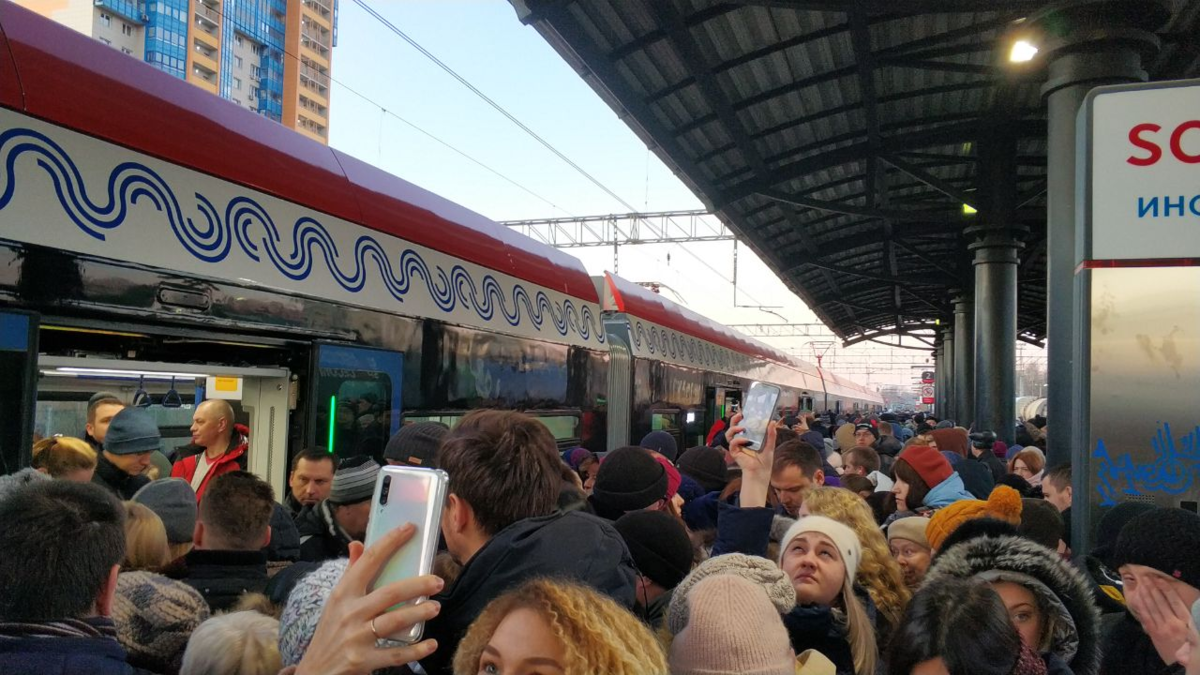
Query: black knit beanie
x=706, y=466
x=659, y=545
x=1041, y=522
x=629, y=479
x=1111, y=524
x=1166, y=539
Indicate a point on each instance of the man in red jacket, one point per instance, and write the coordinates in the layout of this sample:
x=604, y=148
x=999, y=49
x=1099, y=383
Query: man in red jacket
x=224, y=446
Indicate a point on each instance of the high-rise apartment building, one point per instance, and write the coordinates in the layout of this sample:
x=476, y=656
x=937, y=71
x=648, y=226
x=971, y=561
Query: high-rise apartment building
x=271, y=56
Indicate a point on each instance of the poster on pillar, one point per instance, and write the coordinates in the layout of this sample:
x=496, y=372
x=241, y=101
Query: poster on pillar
x=1137, y=300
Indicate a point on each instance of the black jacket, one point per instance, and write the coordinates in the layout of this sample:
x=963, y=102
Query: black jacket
x=992, y=462
x=22, y=654
x=814, y=627
x=320, y=536
x=223, y=576
x=1128, y=650
x=117, y=481
x=572, y=545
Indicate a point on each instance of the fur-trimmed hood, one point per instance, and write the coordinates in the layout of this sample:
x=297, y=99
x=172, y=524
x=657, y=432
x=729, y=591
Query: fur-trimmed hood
x=1062, y=590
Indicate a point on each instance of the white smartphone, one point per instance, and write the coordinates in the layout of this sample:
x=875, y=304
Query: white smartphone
x=406, y=494
x=758, y=410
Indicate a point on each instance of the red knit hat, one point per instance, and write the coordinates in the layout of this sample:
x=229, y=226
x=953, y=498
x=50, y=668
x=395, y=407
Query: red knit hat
x=673, y=477
x=929, y=464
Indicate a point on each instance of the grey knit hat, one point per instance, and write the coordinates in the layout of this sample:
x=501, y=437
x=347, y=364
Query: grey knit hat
x=155, y=617
x=132, y=431
x=761, y=571
x=354, y=481
x=303, y=610
x=173, y=500
x=416, y=444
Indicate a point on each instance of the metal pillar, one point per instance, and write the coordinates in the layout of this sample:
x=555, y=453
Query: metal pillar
x=947, y=410
x=937, y=376
x=1096, y=43
x=995, y=244
x=964, y=359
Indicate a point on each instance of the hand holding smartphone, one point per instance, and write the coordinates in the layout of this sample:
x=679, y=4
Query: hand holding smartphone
x=403, y=495
x=758, y=412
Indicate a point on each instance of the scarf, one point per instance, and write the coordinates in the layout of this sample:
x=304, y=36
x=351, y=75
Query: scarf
x=91, y=627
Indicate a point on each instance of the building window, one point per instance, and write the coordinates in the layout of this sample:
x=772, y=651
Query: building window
x=237, y=40
x=237, y=62
x=105, y=41
x=127, y=50
x=237, y=84
x=254, y=93
x=238, y=101
x=256, y=49
x=105, y=20
x=126, y=28
x=255, y=72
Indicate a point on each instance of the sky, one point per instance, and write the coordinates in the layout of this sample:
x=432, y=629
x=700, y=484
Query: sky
x=395, y=108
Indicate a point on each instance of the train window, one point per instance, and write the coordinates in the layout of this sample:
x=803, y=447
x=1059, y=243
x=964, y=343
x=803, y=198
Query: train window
x=448, y=420
x=356, y=399
x=664, y=421
x=563, y=427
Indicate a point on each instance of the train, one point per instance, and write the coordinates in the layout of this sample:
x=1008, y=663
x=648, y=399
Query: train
x=168, y=245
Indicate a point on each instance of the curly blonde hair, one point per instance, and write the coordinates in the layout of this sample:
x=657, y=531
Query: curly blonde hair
x=597, y=634
x=878, y=572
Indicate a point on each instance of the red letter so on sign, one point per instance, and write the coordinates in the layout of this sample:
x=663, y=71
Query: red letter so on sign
x=1177, y=144
x=1135, y=137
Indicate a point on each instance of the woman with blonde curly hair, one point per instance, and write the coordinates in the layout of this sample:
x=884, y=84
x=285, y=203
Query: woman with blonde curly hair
x=560, y=624
x=878, y=572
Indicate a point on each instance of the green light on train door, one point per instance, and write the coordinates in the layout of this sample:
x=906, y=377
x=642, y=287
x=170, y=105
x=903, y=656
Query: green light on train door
x=332, y=420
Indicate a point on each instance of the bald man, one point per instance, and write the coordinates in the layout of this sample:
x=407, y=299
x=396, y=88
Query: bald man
x=224, y=446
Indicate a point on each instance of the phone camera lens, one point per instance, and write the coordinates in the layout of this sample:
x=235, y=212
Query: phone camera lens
x=383, y=492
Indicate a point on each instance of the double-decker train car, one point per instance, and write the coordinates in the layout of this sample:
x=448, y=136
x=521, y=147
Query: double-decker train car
x=167, y=245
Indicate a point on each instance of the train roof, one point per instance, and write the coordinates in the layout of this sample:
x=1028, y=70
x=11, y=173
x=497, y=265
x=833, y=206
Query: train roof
x=630, y=298
x=56, y=74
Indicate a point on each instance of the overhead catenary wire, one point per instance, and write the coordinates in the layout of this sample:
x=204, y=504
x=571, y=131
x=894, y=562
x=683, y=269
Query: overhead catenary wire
x=521, y=125
x=385, y=112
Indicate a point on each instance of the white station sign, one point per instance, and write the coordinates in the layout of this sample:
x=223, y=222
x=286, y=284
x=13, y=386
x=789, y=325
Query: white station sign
x=1145, y=173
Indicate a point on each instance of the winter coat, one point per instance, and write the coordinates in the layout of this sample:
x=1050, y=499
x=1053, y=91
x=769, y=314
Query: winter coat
x=573, y=545
x=234, y=459
x=976, y=479
x=889, y=445
x=20, y=479
x=1128, y=650
x=993, y=463
x=95, y=654
x=947, y=492
x=815, y=627
x=819, y=627
x=321, y=538
x=117, y=481
x=1061, y=589
x=223, y=576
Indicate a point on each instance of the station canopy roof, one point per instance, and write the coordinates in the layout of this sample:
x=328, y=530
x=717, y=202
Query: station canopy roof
x=840, y=139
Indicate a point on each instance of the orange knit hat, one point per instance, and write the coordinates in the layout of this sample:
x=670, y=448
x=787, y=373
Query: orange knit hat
x=1003, y=504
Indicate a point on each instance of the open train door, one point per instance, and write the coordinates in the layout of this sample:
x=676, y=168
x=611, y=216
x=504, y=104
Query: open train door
x=18, y=377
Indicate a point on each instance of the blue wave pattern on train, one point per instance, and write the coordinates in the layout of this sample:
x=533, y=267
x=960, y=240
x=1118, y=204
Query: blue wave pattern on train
x=130, y=182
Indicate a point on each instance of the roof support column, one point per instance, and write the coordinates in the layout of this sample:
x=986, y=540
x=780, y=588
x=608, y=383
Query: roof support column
x=995, y=243
x=945, y=410
x=964, y=358
x=1102, y=44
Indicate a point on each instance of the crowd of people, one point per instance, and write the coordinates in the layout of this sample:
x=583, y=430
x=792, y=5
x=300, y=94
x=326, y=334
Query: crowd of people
x=844, y=545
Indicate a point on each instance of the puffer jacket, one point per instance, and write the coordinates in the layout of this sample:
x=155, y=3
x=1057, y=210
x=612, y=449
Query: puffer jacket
x=572, y=545
x=1059, y=587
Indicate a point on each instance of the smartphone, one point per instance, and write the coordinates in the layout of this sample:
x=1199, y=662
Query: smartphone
x=406, y=494
x=758, y=410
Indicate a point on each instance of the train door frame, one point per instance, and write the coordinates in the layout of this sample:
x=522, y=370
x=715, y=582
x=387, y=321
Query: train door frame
x=18, y=386
x=361, y=359
x=265, y=395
